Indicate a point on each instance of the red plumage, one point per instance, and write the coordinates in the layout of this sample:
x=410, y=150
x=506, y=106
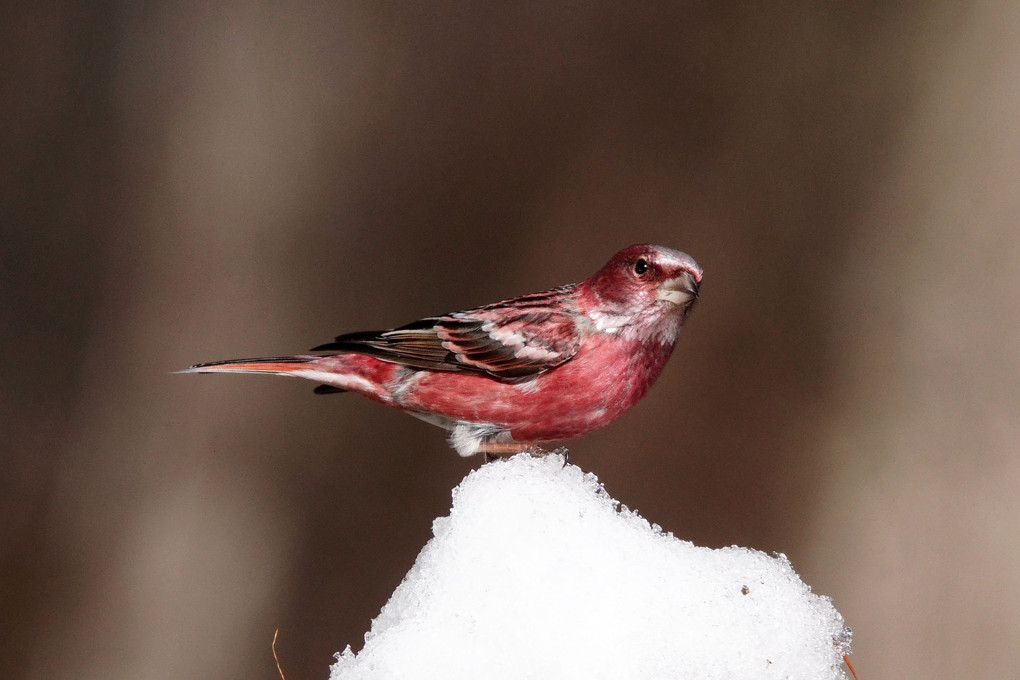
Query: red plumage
x=536, y=368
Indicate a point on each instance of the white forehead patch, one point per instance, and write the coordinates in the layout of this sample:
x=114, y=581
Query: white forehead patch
x=670, y=258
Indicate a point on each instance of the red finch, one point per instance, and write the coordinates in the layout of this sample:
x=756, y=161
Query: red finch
x=505, y=376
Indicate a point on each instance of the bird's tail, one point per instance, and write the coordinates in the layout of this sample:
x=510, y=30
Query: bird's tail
x=298, y=367
x=272, y=365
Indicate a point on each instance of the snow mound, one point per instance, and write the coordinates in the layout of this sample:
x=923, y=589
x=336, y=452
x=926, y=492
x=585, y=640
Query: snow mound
x=538, y=573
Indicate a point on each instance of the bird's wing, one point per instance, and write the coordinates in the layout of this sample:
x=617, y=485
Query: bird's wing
x=508, y=340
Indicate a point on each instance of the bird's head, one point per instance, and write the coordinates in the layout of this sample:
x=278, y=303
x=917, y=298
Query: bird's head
x=645, y=291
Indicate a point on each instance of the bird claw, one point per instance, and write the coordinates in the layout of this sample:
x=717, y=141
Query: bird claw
x=565, y=452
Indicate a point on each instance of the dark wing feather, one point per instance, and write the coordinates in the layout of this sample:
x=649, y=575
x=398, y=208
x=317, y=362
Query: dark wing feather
x=415, y=344
x=508, y=340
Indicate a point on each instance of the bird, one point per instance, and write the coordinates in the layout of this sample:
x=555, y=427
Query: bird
x=511, y=375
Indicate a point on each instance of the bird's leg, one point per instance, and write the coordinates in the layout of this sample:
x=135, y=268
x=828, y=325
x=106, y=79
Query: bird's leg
x=505, y=448
x=492, y=450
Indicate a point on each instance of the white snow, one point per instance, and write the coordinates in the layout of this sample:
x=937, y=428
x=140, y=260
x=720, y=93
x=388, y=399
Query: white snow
x=538, y=573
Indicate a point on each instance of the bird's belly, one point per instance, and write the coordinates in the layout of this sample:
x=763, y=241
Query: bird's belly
x=596, y=387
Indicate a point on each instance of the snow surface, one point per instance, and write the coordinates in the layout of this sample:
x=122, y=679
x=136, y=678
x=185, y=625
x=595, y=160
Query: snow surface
x=539, y=573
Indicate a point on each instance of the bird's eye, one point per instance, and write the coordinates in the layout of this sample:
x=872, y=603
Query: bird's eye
x=641, y=267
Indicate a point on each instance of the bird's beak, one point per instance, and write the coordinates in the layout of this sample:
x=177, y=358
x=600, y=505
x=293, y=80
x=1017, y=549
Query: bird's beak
x=681, y=290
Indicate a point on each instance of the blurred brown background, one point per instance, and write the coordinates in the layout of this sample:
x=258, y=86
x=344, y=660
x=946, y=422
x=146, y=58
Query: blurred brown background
x=182, y=182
